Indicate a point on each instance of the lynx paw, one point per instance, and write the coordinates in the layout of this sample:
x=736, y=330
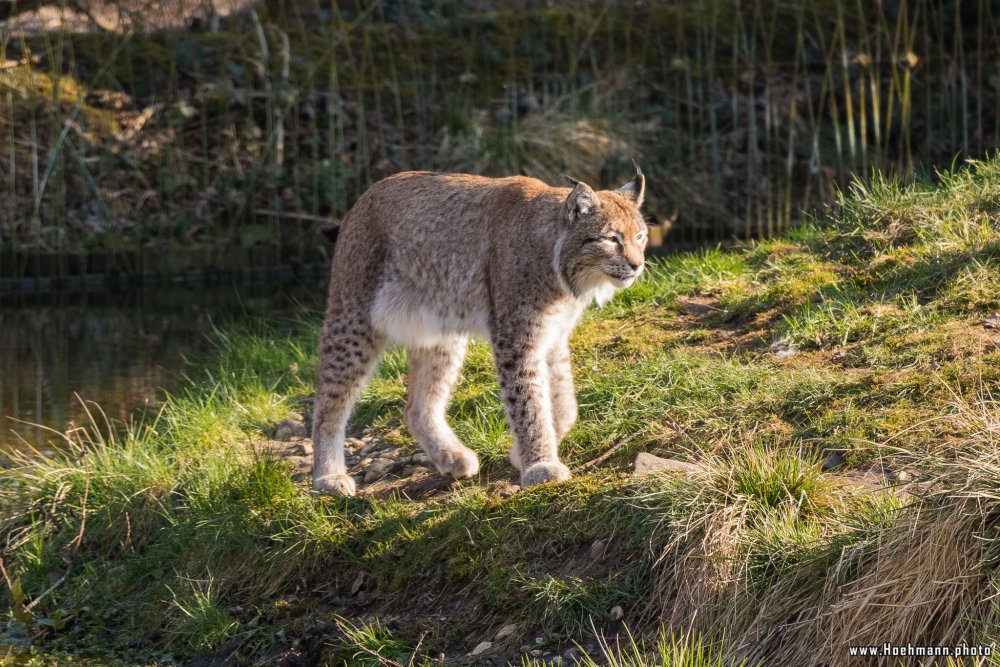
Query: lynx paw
x=334, y=485
x=457, y=462
x=546, y=471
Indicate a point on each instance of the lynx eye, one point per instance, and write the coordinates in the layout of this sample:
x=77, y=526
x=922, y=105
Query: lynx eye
x=640, y=237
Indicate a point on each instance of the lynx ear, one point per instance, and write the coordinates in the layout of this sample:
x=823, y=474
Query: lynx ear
x=636, y=188
x=581, y=201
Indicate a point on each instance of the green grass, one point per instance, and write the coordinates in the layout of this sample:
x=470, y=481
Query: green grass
x=174, y=539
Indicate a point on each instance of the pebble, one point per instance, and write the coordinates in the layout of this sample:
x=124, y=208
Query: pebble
x=572, y=654
x=903, y=477
x=301, y=448
x=617, y=613
x=597, y=549
x=834, y=458
x=537, y=653
x=506, y=631
x=482, y=647
x=290, y=428
x=378, y=469
x=646, y=463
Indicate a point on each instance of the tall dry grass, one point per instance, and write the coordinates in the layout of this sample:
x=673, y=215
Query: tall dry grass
x=248, y=125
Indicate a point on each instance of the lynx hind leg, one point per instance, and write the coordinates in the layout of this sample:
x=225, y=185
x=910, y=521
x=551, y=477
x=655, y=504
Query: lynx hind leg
x=433, y=372
x=349, y=350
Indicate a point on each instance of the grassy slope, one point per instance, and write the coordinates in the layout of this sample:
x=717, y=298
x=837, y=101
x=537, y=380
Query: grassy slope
x=176, y=540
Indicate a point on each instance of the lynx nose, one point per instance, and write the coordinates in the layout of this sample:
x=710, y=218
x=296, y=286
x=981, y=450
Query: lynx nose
x=636, y=268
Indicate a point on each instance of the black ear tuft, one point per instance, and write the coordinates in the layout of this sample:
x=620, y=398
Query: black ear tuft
x=330, y=230
x=636, y=188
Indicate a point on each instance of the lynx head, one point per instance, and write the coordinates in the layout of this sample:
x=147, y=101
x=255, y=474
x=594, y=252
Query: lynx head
x=602, y=239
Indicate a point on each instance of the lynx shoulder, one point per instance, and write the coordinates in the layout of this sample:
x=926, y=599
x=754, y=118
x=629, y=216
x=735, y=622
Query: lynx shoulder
x=426, y=260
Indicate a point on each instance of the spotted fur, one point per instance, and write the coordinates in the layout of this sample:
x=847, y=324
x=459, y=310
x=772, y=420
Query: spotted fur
x=428, y=259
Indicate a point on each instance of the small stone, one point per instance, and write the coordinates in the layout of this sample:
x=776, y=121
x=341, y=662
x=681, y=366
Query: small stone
x=597, y=549
x=783, y=349
x=537, y=653
x=506, y=631
x=421, y=458
x=572, y=654
x=617, y=613
x=525, y=648
x=368, y=448
x=353, y=444
x=301, y=448
x=290, y=428
x=421, y=469
x=378, y=469
x=555, y=660
x=834, y=459
x=539, y=641
x=406, y=471
x=646, y=463
x=903, y=477
x=482, y=647
x=508, y=491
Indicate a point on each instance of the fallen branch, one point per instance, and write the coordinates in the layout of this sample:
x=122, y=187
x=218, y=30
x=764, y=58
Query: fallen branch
x=605, y=456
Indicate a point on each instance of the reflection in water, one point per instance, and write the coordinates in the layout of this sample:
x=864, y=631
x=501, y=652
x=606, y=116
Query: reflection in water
x=118, y=350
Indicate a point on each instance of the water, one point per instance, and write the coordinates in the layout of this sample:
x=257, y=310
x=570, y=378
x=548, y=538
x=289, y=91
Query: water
x=120, y=350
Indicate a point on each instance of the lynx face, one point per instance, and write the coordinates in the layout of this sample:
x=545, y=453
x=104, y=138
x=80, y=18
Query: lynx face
x=604, y=239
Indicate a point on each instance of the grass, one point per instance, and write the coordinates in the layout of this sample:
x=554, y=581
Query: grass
x=846, y=491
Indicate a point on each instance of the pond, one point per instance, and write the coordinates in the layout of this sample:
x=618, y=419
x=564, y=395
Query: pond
x=119, y=350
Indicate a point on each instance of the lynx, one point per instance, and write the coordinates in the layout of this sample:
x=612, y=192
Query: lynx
x=426, y=260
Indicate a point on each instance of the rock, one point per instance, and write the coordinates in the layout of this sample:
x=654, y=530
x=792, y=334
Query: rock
x=368, y=448
x=420, y=458
x=406, y=471
x=991, y=322
x=572, y=654
x=290, y=428
x=301, y=448
x=617, y=613
x=903, y=477
x=539, y=641
x=482, y=647
x=555, y=661
x=421, y=469
x=646, y=463
x=597, y=549
x=506, y=631
x=834, y=458
x=378, y=469
x=783, y=348
x=537, y=653
x=354, y=444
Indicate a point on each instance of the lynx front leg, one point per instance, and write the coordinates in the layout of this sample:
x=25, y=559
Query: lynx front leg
x=524, y=385
x=349, y=350
x=433, y=372
x=564, y=411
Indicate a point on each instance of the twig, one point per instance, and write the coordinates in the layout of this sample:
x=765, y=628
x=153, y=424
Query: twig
x=416, y=650
x=605, y=456
x=378, y=656
x=74, y=544
x=297, y=216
